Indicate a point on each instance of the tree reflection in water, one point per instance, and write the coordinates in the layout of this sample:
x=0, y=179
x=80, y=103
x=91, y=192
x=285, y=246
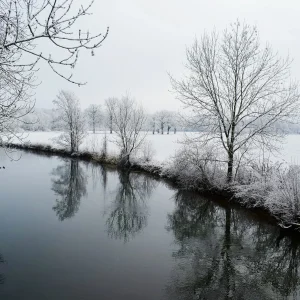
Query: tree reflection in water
x=223, y=254
x=69, y=185
x=98, y=174
x=2, y=277
x=127, y=215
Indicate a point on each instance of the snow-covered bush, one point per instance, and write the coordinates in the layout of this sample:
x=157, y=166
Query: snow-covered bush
x=198, y=168
x=275, y=188
x=284, y=198
x=147, y=151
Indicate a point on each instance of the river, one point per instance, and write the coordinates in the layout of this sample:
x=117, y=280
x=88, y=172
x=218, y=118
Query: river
x=75, y=230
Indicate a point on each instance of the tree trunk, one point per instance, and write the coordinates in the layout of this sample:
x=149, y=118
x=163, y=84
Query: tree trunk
x=110, y=125
x=230, y=154
x=230, y=166
x=125, y=161
x=94, y=128
x=72, y=141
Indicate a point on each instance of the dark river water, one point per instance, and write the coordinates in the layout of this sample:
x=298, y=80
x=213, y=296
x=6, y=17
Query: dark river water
x=72, y=230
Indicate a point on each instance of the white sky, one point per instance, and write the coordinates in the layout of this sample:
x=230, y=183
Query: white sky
x=148, y=38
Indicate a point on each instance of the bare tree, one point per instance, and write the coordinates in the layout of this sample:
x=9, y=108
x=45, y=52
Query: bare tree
x=163, y=118
x=71, y=117
x=94, y=116
x=24, y=26
x=110, y=104
x=237, y=90
x=128, y=120
x=170, y=121
x=168, y=128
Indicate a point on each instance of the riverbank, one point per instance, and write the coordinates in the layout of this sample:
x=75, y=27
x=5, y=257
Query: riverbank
x=228, y=193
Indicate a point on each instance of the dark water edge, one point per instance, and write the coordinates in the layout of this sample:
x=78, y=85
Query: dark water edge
x=75, y=230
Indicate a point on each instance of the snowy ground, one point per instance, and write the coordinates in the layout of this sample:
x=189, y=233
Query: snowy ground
x=165, y=146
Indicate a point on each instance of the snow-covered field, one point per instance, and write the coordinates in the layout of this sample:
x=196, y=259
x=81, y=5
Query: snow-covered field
x=165, y=146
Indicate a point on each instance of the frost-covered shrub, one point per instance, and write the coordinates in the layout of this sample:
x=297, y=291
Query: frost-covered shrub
x=147, y=151
x=254, y=182
x=275, y=188
x=284, y=199
x=197, y=168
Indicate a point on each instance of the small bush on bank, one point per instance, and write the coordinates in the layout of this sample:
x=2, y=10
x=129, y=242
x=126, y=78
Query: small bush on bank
x=147, y=152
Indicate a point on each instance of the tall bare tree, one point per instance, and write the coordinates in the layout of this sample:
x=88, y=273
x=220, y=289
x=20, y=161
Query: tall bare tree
x=71, y=117
x=237, y=90
x=94, y=116
x=24, y=26
x=128, y=120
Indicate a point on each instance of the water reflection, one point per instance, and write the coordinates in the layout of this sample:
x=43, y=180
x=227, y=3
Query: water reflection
x=128, y=212
x=2, y=277
x=98, y=174
x=69, y=185
x=223, y=254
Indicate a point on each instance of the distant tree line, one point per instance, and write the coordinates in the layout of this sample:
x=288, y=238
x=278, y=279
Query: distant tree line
x=98, y=117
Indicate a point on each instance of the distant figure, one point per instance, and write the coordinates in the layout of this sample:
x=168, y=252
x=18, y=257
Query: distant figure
x=174, y=130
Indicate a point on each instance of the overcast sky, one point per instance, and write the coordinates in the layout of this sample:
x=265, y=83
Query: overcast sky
x=148, y=39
